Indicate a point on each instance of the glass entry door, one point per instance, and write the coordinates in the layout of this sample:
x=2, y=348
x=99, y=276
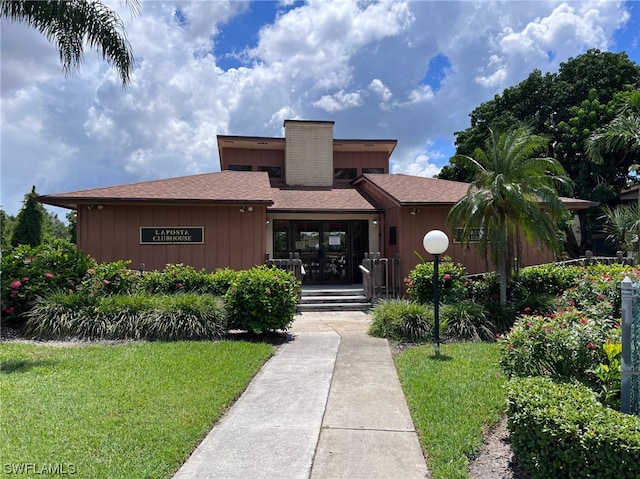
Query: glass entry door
x=323, y=249
x=331, y=251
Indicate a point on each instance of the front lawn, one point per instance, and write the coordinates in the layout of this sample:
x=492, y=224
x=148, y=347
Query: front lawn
x=452, y=398
x=133, y=410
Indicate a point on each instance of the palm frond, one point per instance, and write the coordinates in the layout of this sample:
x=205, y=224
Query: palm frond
x=69, y=24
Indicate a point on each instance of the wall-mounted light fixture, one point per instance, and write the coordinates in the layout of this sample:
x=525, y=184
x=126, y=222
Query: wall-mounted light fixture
x=415, y=211
x=374, y=223
x=241, y=210
x=100, y=207
x=250, y=208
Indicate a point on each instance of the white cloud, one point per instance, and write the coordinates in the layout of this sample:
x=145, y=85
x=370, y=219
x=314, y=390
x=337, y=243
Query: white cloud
x=420, y=166
x=380, y=89
x=358, y=63
x=339, y=101
x=568, y=29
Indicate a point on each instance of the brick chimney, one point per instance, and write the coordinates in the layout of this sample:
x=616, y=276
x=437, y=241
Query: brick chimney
x=309, y=153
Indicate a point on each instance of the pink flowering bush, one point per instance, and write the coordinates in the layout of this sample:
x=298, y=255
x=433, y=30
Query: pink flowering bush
x=419, y=283
x=109, y=278
x=579, y=340
x=28, y=273
x=565, y=345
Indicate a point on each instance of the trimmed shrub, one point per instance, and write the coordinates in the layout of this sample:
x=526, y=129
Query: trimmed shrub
x=175, y=278
x=262, y=299
x=178, y=278
x=482, y=289
x=420, y=282
x=546, y=279
x=561, y=430
x=402, y=321
x=467, y=321
x=31, y=272
x=219, y=282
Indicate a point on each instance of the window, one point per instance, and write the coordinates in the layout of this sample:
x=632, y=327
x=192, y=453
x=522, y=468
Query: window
x=474, y=237
x=345, y=173
x=280, y=239
x=240, y=167
x=274, y=171
x=372, y=170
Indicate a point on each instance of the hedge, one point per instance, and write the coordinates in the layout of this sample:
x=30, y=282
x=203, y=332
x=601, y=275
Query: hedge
x=561, y=430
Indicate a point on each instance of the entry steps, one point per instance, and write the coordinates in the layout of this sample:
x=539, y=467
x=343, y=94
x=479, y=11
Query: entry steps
x=318, y=299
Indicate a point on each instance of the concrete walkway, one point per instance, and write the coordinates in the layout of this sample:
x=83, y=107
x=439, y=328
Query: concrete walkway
x=327, y=405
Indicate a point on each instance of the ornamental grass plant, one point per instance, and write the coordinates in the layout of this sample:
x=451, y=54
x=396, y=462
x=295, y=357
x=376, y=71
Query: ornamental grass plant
x=135, y=317
x=401, y=320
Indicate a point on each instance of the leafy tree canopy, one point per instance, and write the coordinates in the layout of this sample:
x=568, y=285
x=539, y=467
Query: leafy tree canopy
x=567, y=107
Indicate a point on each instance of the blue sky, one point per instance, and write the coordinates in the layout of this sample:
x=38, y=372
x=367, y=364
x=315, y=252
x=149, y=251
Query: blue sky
x=393, y=69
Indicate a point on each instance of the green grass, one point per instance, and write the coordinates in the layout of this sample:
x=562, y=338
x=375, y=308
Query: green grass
x=452, y=399
x=132, y=410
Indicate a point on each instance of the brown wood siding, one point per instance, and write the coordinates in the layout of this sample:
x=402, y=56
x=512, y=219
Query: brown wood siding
x=360, y=160
x=413, y=228
x=390, y=218
x=252, y=157
x=231, y=239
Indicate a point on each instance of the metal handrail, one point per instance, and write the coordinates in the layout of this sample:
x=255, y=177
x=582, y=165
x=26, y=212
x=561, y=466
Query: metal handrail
x=380, y=277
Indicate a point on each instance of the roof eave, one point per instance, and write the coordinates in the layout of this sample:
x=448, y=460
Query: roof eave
x=72, y=202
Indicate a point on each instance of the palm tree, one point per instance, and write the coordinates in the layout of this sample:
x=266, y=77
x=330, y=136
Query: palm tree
x=621, y=226
x=622, y=134
x=514, y=191
x=71, y=23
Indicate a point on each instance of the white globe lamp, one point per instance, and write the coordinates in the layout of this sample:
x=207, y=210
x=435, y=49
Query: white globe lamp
x=436, y=242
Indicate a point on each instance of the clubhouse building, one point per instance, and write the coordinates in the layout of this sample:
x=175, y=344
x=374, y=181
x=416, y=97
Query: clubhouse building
x=327, y=201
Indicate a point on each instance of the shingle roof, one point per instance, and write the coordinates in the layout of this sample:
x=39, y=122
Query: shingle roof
x=410, y=190
x=417, y=190
x=319, y=199
x=252, y=187
x=577, y=204
x=221, y=187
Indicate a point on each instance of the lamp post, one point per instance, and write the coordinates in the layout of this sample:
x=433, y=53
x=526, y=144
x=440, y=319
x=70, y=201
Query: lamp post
x=436, y=242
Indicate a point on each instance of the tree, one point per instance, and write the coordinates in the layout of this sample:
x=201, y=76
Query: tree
x=514, y=190
x=29, y=222
x=621, y=139
x=69, y=24
x=622, y=134
x=54, y=228
x=7, y=225
x=568, y=107
x=72, y=227
x=621, y=226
